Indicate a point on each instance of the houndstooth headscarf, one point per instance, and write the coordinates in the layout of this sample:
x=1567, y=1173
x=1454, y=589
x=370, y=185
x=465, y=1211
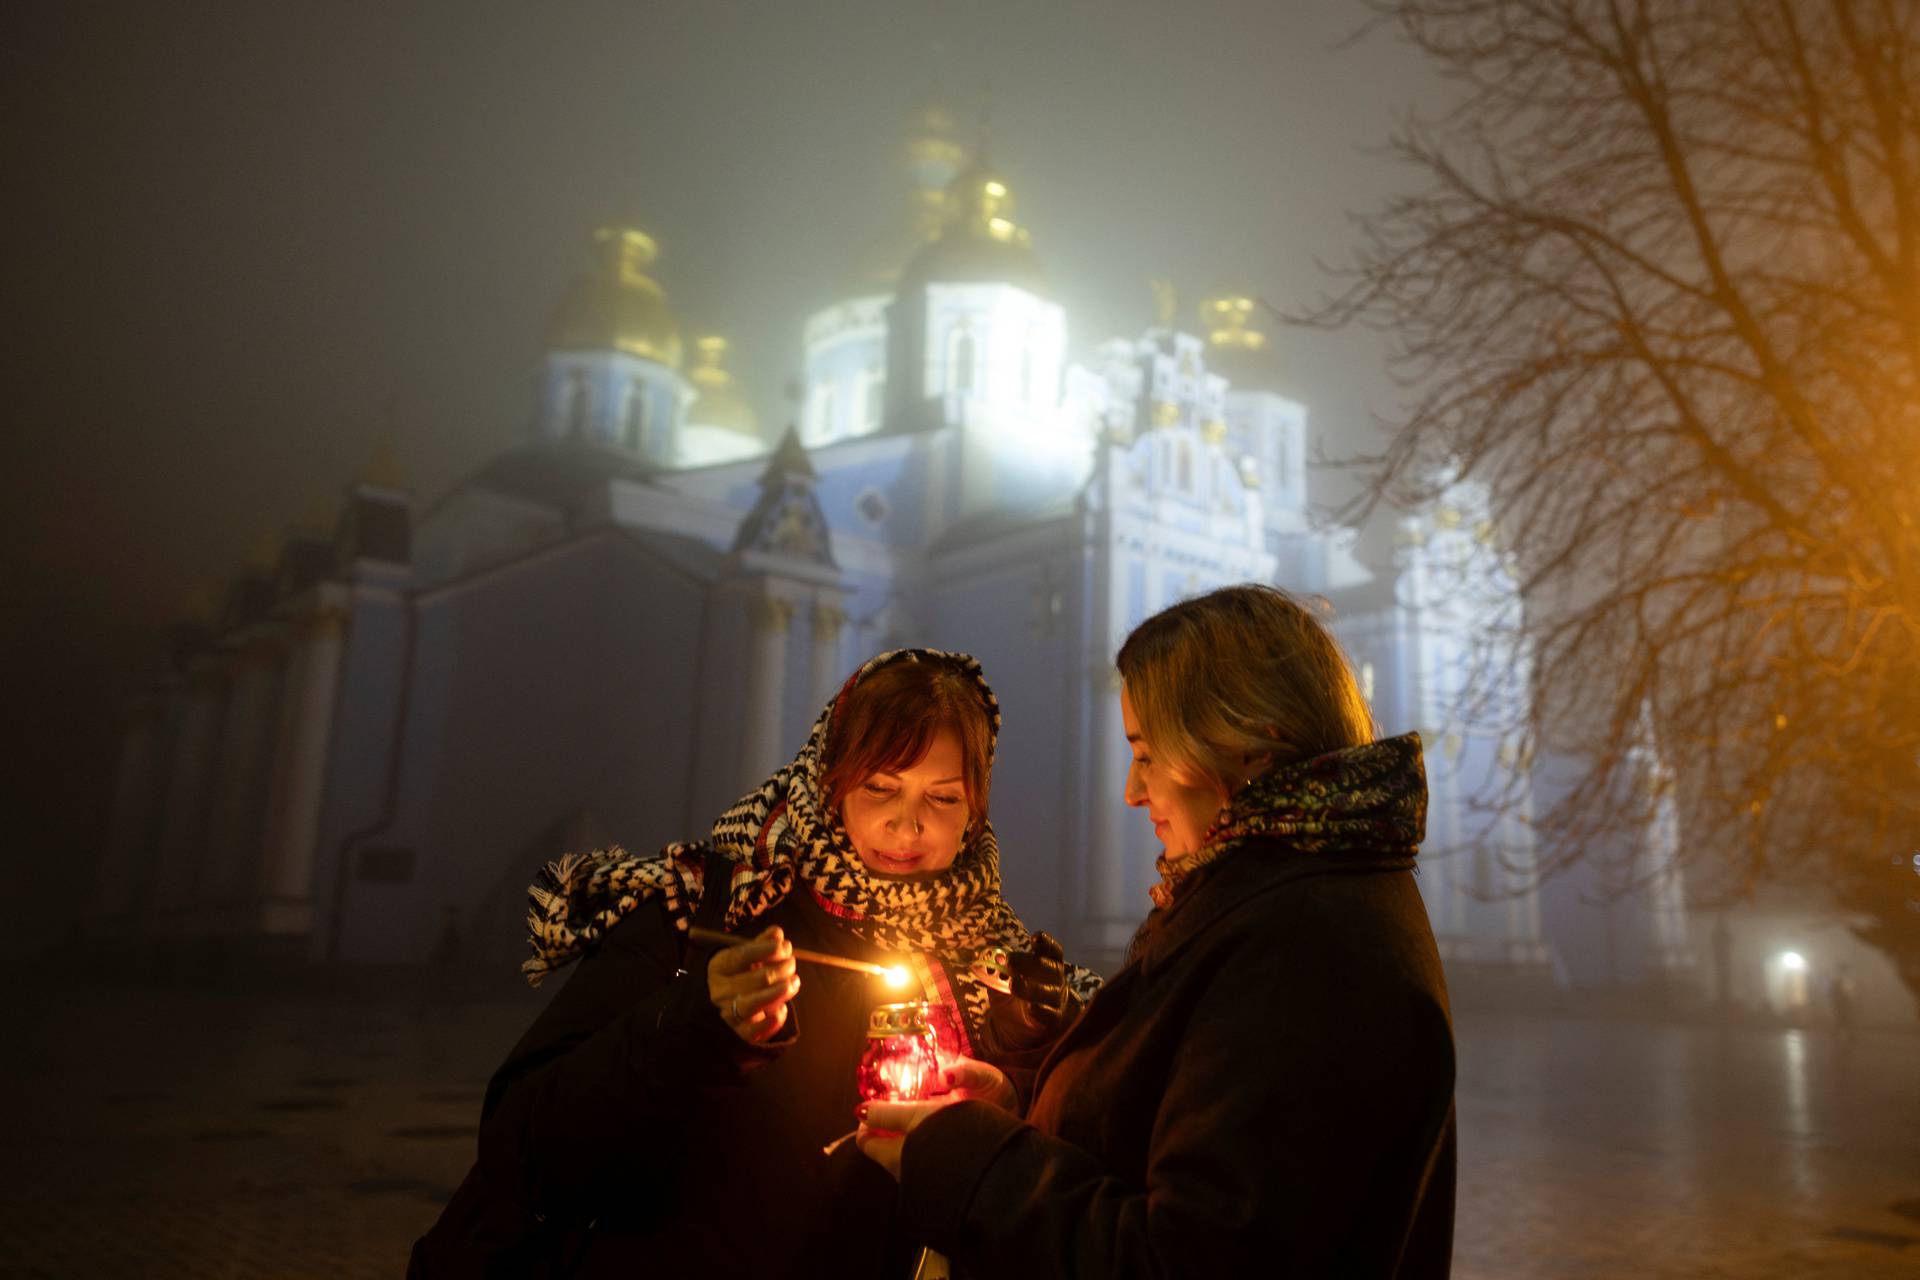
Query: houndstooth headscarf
x=782, y=833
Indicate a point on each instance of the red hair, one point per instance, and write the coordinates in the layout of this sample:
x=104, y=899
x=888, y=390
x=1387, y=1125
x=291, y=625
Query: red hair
x=886, y=722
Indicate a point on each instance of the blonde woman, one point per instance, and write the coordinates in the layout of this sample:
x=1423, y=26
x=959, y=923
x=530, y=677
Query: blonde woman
x=1266, y=1087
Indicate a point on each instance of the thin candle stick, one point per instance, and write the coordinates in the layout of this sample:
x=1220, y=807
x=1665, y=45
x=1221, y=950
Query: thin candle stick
x=713, y=937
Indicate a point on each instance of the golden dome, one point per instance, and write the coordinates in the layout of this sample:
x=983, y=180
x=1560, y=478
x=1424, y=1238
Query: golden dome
x=930, y=155
x=931, y=118
x=716, y=402
x=1237, y=348
x=618, y=306
x=877, y=269
x=981, y=241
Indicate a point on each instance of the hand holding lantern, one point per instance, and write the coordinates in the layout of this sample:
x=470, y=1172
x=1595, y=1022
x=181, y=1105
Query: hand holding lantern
x=884, y=1125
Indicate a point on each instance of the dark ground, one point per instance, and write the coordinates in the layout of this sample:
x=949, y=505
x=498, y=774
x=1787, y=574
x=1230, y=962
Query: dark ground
x=161, y=1131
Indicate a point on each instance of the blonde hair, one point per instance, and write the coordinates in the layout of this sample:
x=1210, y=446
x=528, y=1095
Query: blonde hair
x=1244, y=671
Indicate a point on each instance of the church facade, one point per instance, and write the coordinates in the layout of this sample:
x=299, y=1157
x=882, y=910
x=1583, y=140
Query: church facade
x=607, y=634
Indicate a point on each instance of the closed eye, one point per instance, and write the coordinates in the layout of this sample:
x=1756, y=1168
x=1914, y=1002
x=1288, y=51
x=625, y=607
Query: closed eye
x=947, y=800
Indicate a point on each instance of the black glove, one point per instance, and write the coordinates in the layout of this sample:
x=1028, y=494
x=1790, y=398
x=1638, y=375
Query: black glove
x=1040, y=981
x=1032, y=1004
x=1036, y=980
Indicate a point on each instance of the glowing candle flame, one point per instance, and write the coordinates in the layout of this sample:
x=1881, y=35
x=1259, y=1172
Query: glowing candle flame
x=896, y=975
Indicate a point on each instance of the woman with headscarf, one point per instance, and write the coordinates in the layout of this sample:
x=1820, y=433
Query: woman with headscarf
x=1266, y=1087
x=672, y=1109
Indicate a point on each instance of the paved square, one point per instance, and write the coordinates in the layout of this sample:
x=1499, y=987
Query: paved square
x=168, y=1132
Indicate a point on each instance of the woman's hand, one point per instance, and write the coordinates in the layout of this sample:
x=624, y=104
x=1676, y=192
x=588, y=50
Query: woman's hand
x=884, y=1126
x=750, y=985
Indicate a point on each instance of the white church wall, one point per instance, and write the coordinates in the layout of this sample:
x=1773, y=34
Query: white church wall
x=361, y=755
x=718, y=777
x=616, y=399
x=256, y=673
x=1016, y=340
x=854, y=473
x=1019, y=461
x=679, y=509
x=177, y=860
x=569, y=680
x=134, y=810
x=475, y=529
x=1272, y=429
x=846, y=347
x=1007, y=604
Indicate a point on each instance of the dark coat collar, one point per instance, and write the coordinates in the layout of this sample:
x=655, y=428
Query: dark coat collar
x=1247, y=876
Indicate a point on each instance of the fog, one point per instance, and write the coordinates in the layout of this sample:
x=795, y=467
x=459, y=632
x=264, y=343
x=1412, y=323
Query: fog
x=250, y=242
x=253, y=245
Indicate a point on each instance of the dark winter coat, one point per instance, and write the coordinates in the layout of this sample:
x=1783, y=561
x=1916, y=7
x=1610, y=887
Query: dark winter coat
x=1267, y=1090
x=631, y=1133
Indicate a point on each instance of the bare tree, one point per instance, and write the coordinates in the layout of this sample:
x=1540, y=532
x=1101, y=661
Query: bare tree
x=1660, y=292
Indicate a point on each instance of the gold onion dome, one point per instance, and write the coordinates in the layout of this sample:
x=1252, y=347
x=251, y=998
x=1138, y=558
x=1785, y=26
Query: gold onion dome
x=618, y=306
x=1237, y=347
x=716, y=402
x=930, y=155
x=980, y=241
x=931, y=118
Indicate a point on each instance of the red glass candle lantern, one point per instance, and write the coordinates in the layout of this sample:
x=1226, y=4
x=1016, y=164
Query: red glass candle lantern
x=901, y=1062
x=948, y=1043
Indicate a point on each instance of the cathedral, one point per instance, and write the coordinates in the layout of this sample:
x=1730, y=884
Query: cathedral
x=608, y=633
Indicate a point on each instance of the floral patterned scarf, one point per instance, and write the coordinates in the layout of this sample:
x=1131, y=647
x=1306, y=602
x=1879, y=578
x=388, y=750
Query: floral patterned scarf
x=1369, y=800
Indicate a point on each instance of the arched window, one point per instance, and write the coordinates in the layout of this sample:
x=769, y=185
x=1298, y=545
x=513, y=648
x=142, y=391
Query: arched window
x=579, y=403
x=1185, y=456
x=1026, y=374
x=876, y=401
x=823, y=412
x=633, y=430
x=960, y=361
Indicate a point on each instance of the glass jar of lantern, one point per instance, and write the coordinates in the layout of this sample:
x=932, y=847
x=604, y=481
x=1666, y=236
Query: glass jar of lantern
x=901, y=1062
x=948, y=1043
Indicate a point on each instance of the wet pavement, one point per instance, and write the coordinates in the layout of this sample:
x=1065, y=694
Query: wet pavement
x=1616, y=1148
x=164, y=1132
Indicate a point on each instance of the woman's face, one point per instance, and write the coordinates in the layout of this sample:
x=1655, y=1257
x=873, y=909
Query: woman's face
x=1180, y=812
x=912, y=822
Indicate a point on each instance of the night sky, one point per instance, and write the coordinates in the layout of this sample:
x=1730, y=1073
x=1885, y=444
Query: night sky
x=247, y=241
